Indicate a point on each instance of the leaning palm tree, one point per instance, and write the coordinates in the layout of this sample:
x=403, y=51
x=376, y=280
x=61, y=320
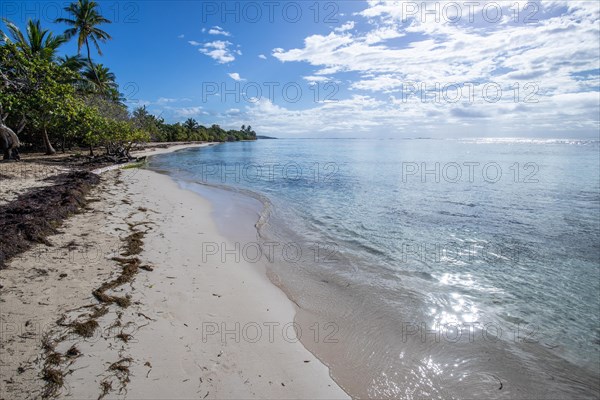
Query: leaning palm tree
x=100, y=77
x=84, y=22
x=72, y=63
x=38, y=42
x=100, y=80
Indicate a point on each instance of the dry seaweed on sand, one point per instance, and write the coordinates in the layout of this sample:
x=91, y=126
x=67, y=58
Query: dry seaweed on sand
x=73, y=352
x=105, y=387
x=99, y=312
x=121, y=365
x=133, y=244
x=35, y=215
x=54, y=381
x=118, y=370
x=51, y=373
x=54, y=359
x=130, y=268
x=124, y=337
x=85, y=329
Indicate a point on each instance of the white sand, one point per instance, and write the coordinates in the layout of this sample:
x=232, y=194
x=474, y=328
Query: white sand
x=207, y=296
x=152, y=152
x=175, y=350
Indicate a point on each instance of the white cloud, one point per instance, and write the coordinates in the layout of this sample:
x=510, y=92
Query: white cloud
x=217, y=30
x=161, y=101
x=315, y=46
x=437, y=52
x=181, y=36
x=379, y=83
x=164, y=100
x=552, y=53
x=194, y=43
x=135, y=103
x=235, y=76
x=383, y=33
x=187, y=112
x=557, y=57
x=368, y=116
x=345, y=27
x=315, y=78
x=218, y=50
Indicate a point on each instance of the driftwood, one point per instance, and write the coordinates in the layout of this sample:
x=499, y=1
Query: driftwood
x=9, y=141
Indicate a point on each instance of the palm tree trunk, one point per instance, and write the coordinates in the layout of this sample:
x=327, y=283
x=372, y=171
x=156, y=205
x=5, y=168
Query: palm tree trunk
x=49, y=149
x=87, y=45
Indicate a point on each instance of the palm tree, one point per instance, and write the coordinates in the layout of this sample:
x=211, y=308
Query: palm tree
x=101, y=77
x=84, y=22
x=72, y=63
x=38, y=43
x=191, y=124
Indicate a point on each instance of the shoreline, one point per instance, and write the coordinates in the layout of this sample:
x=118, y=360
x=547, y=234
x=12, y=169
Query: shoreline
x=179, y=337
x=364, y=338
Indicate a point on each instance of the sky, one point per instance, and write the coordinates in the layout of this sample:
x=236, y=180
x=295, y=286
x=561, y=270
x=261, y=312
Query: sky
x=355, y=68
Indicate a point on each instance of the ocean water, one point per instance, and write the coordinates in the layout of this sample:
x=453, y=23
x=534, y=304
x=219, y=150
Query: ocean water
x=463, y=268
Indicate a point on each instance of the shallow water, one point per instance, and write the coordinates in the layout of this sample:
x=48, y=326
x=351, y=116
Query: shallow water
x=444, y=268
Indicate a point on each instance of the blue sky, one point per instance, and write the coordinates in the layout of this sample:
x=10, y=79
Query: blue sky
x=355, y=68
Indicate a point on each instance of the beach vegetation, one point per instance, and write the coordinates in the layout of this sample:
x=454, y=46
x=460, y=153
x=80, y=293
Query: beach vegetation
x=68, y=102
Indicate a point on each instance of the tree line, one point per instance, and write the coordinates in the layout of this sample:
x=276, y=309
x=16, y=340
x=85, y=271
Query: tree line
x=190, y=130
x=67, y=102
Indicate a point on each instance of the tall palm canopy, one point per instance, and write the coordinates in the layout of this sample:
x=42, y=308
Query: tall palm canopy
x=38, y=43
x=100, y=76
x=73, y=63
x=84, y=22
x=102, y=81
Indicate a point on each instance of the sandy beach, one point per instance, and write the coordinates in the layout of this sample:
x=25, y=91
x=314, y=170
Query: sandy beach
x=124, y=304
x=307, y=200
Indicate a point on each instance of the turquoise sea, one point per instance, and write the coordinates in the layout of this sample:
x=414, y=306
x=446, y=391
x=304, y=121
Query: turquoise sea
x=463, y=268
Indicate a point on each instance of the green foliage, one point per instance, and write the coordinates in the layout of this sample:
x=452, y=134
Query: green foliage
x=191, y=130
x=42, y=92
x=72, y=102
x=37, y=90
x=38, y=42
x=101, y=81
